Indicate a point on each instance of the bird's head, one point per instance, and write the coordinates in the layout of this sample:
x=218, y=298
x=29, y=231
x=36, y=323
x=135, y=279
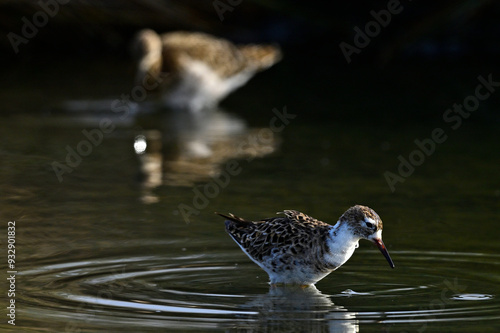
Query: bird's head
x=365, y=223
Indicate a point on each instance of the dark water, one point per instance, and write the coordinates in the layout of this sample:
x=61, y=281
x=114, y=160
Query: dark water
x=126, y=240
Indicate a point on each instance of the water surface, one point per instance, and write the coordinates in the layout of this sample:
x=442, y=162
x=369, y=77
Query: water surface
x=126, y=242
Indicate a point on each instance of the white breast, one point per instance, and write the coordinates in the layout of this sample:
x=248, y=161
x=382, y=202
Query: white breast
x=341, y=243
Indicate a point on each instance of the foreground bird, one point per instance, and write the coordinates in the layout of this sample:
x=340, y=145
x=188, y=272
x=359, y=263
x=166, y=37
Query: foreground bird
x=298, y=249
x=198, y=69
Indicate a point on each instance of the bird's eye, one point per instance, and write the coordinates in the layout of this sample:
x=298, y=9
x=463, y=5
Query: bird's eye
x=371, y=225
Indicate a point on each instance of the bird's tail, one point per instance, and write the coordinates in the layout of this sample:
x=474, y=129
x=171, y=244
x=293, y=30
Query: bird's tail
x=261, y=56
x=237, y=220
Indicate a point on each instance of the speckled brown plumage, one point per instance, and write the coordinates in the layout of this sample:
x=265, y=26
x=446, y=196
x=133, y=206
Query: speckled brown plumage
x=224, y=57
x=299, y=249
x=271, y=238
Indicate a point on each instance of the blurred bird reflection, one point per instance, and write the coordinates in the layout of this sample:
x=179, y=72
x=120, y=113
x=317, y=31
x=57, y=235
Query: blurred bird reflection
x=183, y=148
x=298, y=309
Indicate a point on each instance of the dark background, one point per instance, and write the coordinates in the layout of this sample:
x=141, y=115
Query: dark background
x=429, y=51
x=354, y=122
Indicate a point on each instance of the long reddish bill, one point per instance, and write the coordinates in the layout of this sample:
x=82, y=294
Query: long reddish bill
x=384, y=251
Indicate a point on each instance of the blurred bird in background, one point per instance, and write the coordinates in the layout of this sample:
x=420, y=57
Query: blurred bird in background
x=197, y=70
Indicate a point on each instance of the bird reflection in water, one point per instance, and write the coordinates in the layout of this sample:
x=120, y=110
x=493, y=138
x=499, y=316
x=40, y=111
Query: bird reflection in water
x=181, y=78
x=194, y=71
x=184, y=148
x=297, y=309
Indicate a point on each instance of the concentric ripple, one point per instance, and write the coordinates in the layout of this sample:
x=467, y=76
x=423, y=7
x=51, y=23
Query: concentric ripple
x=210, y=291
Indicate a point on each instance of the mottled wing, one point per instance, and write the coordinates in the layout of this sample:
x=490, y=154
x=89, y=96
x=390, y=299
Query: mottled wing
x=299, y=217
x=180, y=48
x=293, y=235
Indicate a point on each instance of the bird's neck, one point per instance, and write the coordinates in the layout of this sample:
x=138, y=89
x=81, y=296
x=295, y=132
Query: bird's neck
x=341, y=244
